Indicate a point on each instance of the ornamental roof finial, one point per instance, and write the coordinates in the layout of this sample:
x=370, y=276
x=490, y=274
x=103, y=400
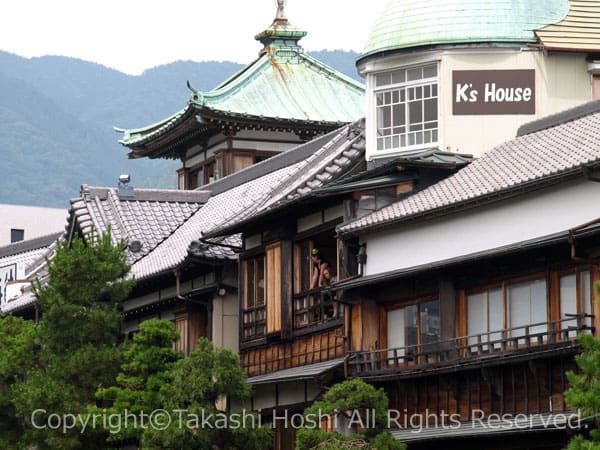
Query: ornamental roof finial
x=280, y=11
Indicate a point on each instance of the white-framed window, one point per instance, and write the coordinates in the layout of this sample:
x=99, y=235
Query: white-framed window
x=406, y=108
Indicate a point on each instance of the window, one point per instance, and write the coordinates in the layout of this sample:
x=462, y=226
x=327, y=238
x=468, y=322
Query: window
x=201, y=176
x=375, y=199
x=527, y=305
x=575, y=300
x=16, y=235
x=484, y=316
x=412, y=326
x=254, y=298
x=406, y=106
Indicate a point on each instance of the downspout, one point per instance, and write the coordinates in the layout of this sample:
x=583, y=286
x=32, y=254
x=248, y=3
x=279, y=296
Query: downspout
x=177, y=274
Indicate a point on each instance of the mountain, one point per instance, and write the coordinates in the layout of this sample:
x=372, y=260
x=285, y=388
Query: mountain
x=57, y=116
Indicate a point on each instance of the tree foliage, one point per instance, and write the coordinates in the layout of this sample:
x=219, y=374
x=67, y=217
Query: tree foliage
x=78, y=341
x=18, y=354
x=584, y=393
x=148, y=361
x=353, y=400
x=199, y=382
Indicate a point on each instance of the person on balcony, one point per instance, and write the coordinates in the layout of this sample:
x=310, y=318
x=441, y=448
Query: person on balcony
x=316, y=261
x=326, y=278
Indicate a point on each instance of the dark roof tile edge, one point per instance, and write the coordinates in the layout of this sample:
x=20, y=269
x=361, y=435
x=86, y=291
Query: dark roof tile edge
x=347, y=229
x=560, y=118
x=29, y=245
x=147, y=195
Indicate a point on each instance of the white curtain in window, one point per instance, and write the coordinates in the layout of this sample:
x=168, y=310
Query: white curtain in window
x=496, y=308
x=527, y=305
x=477, y=314
x=395, y=330
x=568, y=298
x=586, y=294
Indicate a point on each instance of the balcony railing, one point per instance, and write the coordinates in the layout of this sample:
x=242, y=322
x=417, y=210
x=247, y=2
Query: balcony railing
x=479, y=348
x=316, y=306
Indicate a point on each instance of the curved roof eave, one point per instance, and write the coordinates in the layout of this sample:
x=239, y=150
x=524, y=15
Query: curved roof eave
x=443, y=44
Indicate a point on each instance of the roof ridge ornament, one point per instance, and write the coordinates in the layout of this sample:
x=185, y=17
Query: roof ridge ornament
x=280, y=16
x=281, y=35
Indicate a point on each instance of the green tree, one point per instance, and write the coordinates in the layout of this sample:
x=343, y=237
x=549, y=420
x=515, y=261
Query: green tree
x=18, y=353
x=584, y=393
x=148, y=361
x=198, y=383
x=78, y=334
x=357, y=402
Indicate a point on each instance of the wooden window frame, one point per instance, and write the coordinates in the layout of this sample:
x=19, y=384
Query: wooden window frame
x=253, y=315
x=553, y=301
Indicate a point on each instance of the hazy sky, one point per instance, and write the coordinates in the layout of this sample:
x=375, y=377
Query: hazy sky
x=133, y=35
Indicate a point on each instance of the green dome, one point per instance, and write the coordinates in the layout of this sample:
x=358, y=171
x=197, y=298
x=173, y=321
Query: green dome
x=412, y=23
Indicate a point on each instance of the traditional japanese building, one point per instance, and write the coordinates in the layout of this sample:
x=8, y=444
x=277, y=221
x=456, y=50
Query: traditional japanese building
x=475, y=289
x=295, y=334
x=280, y=100
x=464, y=75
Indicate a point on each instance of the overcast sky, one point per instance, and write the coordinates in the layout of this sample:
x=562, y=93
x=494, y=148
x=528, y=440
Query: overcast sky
x=133, y=35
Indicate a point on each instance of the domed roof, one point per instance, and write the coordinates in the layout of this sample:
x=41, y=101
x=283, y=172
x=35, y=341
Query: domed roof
x=414, y=23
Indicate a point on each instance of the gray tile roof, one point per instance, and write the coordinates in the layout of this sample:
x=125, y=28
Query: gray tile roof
x=308, y=372
x=149, y=217
x=30, y=245
x=219, y=209
x=339, y=154
x=278, y=179
x=546, y=155
x=487, y=426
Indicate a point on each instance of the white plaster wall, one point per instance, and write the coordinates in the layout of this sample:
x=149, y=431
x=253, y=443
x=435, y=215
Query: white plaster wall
x=35, y=220
x=225, y=321
x=562, y=81
x=535, y=215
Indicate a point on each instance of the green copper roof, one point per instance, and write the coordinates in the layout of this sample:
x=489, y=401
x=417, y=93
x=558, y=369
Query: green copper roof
x=283, y=84
x=288, y=86
x=412, y=23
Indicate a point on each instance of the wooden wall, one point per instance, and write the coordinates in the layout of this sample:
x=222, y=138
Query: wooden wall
x=532, y=387
x=302, y=351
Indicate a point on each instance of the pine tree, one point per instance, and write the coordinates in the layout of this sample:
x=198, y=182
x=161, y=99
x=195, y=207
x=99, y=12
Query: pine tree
x=584, y=393
x=148, y=361
x=356, y=399
x=78, y=335
x=198, y=383
x=18, y=353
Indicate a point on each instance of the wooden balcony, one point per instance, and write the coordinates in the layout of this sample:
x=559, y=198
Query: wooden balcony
x=491, y=348
x=316, y=306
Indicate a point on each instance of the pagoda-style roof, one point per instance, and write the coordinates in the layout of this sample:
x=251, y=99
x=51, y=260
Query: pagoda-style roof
x=284, y=89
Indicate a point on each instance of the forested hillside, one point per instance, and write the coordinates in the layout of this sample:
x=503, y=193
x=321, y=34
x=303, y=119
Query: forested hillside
x=57, y=116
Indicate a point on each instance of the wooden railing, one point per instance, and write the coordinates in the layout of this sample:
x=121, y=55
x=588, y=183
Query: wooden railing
x=478, y=348
x=254, y=322
x=315, y=306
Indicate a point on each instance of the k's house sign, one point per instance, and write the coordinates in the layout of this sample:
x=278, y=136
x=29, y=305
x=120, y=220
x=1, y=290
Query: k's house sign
x=477, y=92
